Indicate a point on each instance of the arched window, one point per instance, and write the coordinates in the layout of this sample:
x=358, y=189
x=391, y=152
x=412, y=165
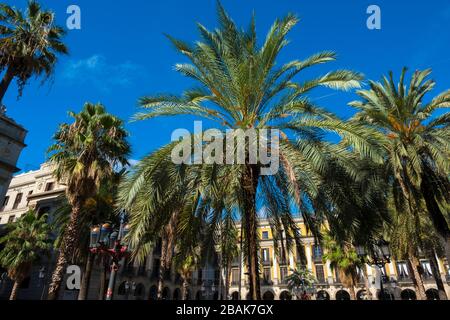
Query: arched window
x=268, y=295
x=235, y=296
x=361, y=295
x=432, y=294
x=140, y=290
x=408, y=294
x=166, y=294
x=153, y=293
x=122, y=289
x=342, y=295
x=177, y=294
x=386, y=296
x=285, y=295
x=322, y=295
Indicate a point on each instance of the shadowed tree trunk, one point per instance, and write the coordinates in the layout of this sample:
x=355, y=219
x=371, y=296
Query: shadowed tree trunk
x=367, y=284
x=103, y=272
x=6, y=81
x=240, y=262
x=71, y=236
x=416, y=277
x=185, y=288
x=250, y=184
x=437, y=276
x=227, y=281
x=84, y=288
x=15, y=290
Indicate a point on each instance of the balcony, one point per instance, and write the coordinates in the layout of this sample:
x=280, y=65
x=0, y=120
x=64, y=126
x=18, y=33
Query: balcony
x=404, y=279
x=267, y=262
x=266, y=282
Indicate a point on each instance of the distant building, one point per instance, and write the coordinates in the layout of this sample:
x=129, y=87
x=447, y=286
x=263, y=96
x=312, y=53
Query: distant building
x=40, y=191
x=12, y=138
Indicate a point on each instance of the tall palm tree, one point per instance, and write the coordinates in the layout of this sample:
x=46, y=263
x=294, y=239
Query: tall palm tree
x=27, y=240
x=240, y=87
x=85, y=154
x=97, y=209
x=416, y=143
x=30, y=43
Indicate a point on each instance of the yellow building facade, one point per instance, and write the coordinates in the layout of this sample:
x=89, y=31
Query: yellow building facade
x=397, y=281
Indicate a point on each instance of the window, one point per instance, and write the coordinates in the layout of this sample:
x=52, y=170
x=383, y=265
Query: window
x=427, y=273
x=17, y=201
x=29, y=194
x=283, y=274
x=11, y=219
x=317, y=252
x=402, y=269
x=282, y=255
x=265, y=235
x=49, y=186
x=5, y=203
x=320, y=275
x=266, y=275
x=265, y=255
x=235, y=276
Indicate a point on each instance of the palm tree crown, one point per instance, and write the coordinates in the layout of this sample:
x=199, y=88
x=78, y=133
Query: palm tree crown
x=29, y=44
x=27, y=240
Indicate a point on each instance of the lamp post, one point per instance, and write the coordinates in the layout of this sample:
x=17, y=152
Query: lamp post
x=42, y=276
x=105, y=240
x=380, y=255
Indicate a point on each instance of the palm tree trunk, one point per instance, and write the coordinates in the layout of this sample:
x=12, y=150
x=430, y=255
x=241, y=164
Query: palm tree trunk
x=15, y=290
x=86, y=277
x=240, y=263
x=437, y=276
x=416, y=277
x=185, y=288
x=103, y=272
x=352, y=293
x=227, y=282
x=250, y=185
x=162, y=267
x=6, y=81
x=70, y=239
x=367, y=284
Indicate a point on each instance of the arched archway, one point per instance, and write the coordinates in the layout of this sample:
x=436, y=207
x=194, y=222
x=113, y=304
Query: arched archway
x=235, y=296
x=342, y=295
x=268, y=295
x=408, y=294
x=216, y=295
x=248, y=296
x=386, y=296
x=432, y=294
x=153, y=294
x=166, y=294
x=122, y=289
x=285, y=295
x=322, y=295
x=361, y=295
x=176, y=294
x=199, y=295
x=139, y=291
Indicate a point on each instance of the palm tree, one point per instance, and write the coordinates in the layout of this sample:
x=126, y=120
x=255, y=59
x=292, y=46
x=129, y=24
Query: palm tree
x=85, y=154
x=27, y=240
x=227, y=239
x=300, y=280
x=30, y=43
x=344, y=260
x=416, y=143
x=240, y=87
x=97, y=209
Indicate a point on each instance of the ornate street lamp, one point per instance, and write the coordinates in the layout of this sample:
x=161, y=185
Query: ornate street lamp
x=380, y=255
x=105, y=240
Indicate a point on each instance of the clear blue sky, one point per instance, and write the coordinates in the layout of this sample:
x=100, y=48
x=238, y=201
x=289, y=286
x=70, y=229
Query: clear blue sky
x=120, y=54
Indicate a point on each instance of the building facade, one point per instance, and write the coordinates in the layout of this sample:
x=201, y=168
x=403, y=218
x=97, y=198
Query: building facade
x=39, y=190
x=12, y=138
